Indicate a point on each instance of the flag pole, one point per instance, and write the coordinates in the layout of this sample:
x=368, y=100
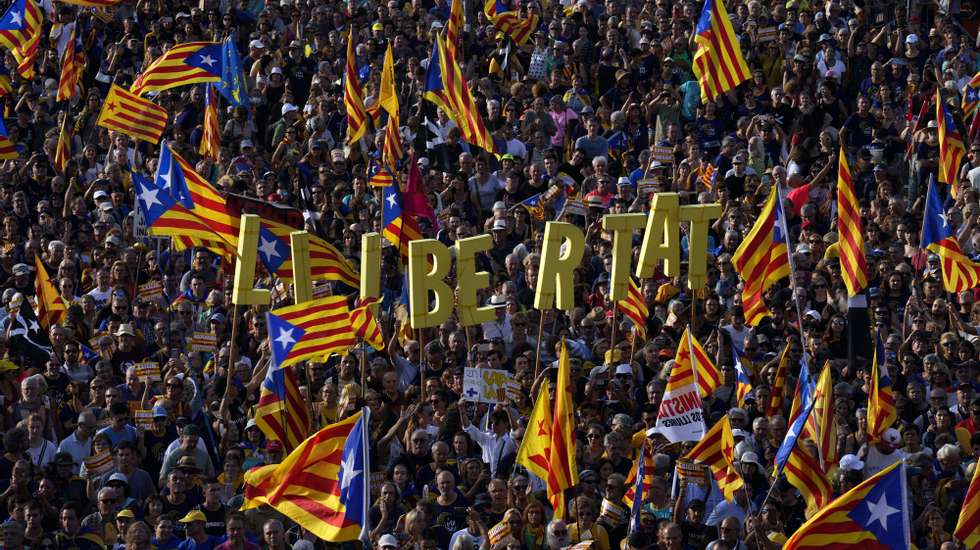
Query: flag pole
x=363, y=359
x=633, y=344
x=612, y=332
x=537, y=345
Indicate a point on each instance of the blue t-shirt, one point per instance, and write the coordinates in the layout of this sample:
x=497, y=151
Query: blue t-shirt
x=208, y=544
x=127, y=434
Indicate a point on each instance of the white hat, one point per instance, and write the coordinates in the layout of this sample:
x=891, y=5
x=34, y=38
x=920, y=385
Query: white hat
x=276, y=70
x=737, y=432
x=288, y=108
x=499, y=205
x=932, y=124
x=498, y=300
x=812, y=313
x=624, y=369
x=623, y=180
x=388, y=540
x=100, y=194
x=892, y=436
x=851, y=462
x=912, y=39
x=257, y=44
x=499, y=225
x=749, y=457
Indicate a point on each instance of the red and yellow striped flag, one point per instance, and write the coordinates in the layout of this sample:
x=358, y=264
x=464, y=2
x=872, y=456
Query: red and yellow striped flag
x=535, y=450
x=282, y=413
x=365, y=325
x=717, y=450
x=392, y=151
x=353, y=97
x=72, y=65
x=562, y=471
x=702, y=368
x=211, y=136
x=762, y=258
x=310, y=329
x=649, y=473
x=132, y=115
x=509, y=21
x=951, y=148
x=777, y=394
x=634, y=306
x=823, y=418
x=51, y=307
x=62, y=151
x=454, y=28
x=21, y=34
x=803, y=471
x=968, y=524
x=718, y=62
x=446, y=87
x=881, y=397
x=183, y=64
x=853, y=266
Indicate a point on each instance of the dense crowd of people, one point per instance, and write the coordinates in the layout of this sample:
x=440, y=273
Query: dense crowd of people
x=601, y=103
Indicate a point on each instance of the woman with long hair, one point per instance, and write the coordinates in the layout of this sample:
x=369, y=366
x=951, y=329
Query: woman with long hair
x=138, y=536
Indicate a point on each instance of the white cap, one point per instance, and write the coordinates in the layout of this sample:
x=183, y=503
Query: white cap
x=892, y=436
x=258, y=44
x=812, y=313
x=498, y=300
x=749, y=457
x=499, y=205
x=276, y=70
x=623, y=180
x=624, y=369
x=499, y=225
x=288, y=108
x=100, y=194
x=737, y=432
x=851, y=462
x=388, y=540
x=912, y=39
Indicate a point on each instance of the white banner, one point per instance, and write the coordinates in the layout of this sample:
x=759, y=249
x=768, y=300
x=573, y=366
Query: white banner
x=681, y=417
x=485, y=385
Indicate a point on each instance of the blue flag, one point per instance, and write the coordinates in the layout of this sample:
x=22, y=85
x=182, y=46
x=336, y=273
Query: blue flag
x=232, y=84
x=355, y=487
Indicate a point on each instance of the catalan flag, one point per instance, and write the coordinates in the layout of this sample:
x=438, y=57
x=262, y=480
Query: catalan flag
x=365, y=326
x=717, y=451
x=353, y=97
x=454, y=28
x=183, y=64
x=802, y=469
x=968, y=524
x=708, y=175
x=639, y=482
x=634, y=307
x=51, y=307
x=535, y=450
x=762, y=258
x=379, y=175
x=718, y=62
x=951, y=148
x=326, y=262
x=63, y=149
x=176, y=176
x=323, y=484
x=211, y=136
x=5, y=85
x=743, y=384
x=707, y=375
x=282, y=413
x=7, y=149
x=399, y=229
x=20, y=32
x=681, y=413
x=165, y=216
x=777, y=394
x=445, y=86
x=959, y=272
x=971, y=97
x=853, y=266
x=823, y=416
x=534, y=206
x=93, y=3
x=881, y=397
x=132, y=115
x=562, y=471
x=310, y=329
x=875, y=514
x=72, y=65
x=509, y=21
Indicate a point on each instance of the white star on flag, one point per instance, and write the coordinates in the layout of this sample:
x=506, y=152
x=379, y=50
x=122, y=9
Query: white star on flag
x=208, y=60
x=15, y=18
x=149, y=197
x=268, y=249
x=347, y=465
x=285, y=337
x=392, y=200
x=880, y=511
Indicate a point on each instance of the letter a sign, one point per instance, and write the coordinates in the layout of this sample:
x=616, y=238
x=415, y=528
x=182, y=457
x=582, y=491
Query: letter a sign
x=680, y=417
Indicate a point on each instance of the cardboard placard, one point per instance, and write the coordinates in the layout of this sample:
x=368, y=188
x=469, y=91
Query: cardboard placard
x=696, y=473
x=485, y=385
x=321, y=290
x=152, y=290
x=203, y=341
x=498, y=533
x=648, y=186
x=766, y=34
x=662, y=153
x=612, y=511
x=144, y=418
x=98, y=464
x=148, y=371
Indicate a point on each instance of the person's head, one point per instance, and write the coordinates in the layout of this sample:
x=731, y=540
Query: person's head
x=139, y=533
x=728, y=530
x=556, y=535
x=669, y=536
x=12, y=534
x=446, y=483
x=273, y=534
x=70, y=518
x=235, y=528
x=107, y=503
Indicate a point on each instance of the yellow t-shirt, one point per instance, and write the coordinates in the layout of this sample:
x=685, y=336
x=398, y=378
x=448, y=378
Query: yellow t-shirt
x=596, y=533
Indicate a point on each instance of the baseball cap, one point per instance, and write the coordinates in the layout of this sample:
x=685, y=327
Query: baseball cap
x=387, y=540
x=125, y=513
x=499, y=225
x=190, y=429
x=22, y=269
x=159, y=412
x=288, y=108
x=624, y=369
x=499, y=205
x=851, y=462
x=192, y=516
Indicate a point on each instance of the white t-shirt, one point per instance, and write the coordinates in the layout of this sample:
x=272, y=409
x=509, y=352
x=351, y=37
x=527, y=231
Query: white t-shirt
x=43, y=453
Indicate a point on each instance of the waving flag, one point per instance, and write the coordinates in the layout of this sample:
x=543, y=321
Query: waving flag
x=562, y=471
x=282, y=413
x=415, y=199
x=392, y=152
x=823, y=415
x=968, y=524
x=640, y=484
x=326, y=262
x=365, y=326
x=875, y=514
x=535, y=451
x=72, y=65
x=232, y=84
x=881, y=397
x=708, y=175
x=445, y=86
x=762, y=258
x=951, y=148
x=509, y=21
x=717, y=451
x=164, y=216
x=707, y=375
x=183, y=64
x=802, y=469
x=176, y=176
x=51, y=307
x=211, y=136
x=853, y=266
x=959, y=272
x=971, y=97
x=132, y=115
x=7, y=149
x=323, y=484
x=743, y=384
x=534, y=206
x=634, y=307
x=63, y=149
x=398, y=228
x=310, y=329
x=718, y=62
x=20, y=32
x=379, y=175
x=681, y=413
x=454, y=28
x=777, y=394
x=353, y=96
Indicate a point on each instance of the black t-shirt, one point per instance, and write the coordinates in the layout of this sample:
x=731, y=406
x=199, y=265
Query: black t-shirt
x=215, y=524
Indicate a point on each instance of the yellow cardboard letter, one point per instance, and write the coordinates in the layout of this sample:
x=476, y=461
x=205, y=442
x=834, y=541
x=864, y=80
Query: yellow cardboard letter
x=661, y=240
x=469, y=280
x=622, y=227
x=556, y=278
x=697, y=241
x=422, y=279
x=371, y=267
x=299, y=247
x=248, y=246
